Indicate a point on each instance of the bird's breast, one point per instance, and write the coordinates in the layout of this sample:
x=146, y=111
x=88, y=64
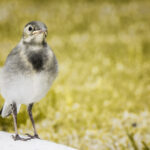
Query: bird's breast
x=25, y=89
x=37, y=60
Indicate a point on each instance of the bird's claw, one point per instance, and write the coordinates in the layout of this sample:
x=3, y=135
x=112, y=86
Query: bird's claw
x=16, y=137
x=33, y=136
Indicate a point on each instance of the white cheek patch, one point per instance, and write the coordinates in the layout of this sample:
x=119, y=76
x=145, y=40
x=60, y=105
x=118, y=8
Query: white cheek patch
x=39, y=38
x=28, y=39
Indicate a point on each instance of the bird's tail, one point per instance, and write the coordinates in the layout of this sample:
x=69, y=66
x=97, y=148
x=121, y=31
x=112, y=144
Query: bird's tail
x=7, y=110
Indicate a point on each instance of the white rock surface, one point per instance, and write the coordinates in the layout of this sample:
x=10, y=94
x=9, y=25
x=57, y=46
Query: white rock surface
x=7, y=143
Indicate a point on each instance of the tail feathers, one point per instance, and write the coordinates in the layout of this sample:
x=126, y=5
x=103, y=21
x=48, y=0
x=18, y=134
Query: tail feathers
x=1, y=110
x=7, y=110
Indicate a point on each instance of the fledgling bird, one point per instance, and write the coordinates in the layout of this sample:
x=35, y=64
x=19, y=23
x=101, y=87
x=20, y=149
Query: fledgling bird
x=28, y=73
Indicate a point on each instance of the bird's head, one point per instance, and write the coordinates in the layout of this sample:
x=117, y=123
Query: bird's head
x=35, y=32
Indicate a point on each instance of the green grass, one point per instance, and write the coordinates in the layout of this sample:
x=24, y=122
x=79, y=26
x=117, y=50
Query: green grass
x=101, y=98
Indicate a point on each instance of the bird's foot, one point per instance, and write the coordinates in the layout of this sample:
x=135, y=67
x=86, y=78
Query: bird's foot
x=16, y=137
x=35, y=136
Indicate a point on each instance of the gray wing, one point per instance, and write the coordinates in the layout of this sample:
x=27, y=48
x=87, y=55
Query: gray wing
x=12, y=64
x=16, y=61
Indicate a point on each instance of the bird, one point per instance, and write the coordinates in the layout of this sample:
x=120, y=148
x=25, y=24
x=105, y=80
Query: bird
x=27, y=74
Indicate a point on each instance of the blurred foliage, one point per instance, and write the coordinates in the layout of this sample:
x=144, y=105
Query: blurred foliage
x=101, y=98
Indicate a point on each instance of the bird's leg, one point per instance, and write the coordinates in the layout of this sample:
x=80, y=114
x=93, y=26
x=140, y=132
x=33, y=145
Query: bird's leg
x=32, y=120
x=14, y=114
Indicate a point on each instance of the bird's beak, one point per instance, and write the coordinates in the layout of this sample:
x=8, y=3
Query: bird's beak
x=40, y=31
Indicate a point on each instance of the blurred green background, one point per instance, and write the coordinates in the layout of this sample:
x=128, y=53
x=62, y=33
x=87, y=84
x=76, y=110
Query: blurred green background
x=101, y=98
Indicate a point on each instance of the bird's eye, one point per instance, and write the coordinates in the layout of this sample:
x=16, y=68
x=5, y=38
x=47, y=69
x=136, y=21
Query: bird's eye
x=30, y=28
